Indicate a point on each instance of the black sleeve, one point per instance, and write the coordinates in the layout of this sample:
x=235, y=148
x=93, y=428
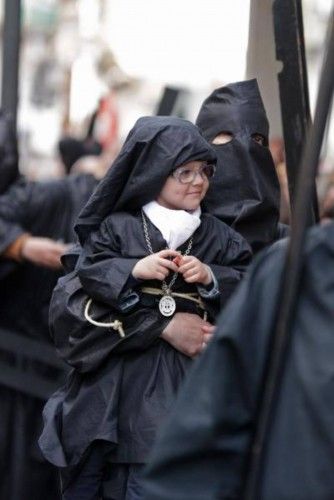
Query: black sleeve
x=14, y=205
x=28, y=207
x=202, y=450
x=85, y=346
x=103, y=272
x=232, y=262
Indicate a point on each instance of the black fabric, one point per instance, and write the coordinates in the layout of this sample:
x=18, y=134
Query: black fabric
x=154, y=147
x=46, y=209
x=283, y=231
x=125, y=482
x=203, y=450
x=244, y=192
x=42, y=209
x=111, y=253
x=85, y=480
x=9, y=161
x=72, y=149
x=122, y=389
x=28, y=347
x=96, y=479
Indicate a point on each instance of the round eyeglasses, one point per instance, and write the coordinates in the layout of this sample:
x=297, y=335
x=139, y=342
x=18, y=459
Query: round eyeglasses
x=187, y=175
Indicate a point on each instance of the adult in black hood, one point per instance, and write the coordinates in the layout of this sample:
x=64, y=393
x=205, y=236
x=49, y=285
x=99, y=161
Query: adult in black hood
x=204, y=450
x=36, y=224
x=245, y=191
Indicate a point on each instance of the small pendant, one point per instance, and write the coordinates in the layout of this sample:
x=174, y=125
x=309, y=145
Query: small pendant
x=167, y=305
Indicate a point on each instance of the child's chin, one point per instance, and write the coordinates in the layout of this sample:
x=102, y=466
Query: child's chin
x=192, y=206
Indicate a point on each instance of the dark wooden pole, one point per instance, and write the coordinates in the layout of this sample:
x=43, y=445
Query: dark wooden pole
x=293, y=88
x=10, y=57
x=288, y=296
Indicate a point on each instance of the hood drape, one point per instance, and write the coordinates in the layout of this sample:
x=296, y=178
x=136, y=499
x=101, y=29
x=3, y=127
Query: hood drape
x=153, y=149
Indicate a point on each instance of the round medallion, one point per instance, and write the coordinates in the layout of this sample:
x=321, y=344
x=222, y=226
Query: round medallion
x=167, y=305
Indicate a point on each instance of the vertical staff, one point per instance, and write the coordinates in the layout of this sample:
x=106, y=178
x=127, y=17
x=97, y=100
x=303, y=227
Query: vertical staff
x=11, y=57
x=293, y=88
x=292, y=274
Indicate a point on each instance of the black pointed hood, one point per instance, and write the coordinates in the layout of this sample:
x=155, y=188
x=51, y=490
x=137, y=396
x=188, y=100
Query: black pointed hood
x=245, y=190
x=153, y=149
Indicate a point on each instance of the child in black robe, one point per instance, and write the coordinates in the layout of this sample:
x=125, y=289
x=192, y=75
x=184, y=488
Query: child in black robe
x=148, y=252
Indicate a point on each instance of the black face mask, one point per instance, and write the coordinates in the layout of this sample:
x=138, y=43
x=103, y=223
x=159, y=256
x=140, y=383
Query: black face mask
x=245, y=191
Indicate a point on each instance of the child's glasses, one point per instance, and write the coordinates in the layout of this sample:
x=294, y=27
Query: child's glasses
x=187, y=175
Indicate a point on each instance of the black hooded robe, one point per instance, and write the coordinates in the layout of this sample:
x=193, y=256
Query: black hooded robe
x=148, y=370
x=46, y=209
x=131, y=383
x=245, y=191
x=202, y=451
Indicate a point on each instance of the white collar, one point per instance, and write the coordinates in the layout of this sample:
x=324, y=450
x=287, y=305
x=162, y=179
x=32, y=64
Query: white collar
x=176, y=226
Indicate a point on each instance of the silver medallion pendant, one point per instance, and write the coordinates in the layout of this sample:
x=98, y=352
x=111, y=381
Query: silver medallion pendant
x=167, y=305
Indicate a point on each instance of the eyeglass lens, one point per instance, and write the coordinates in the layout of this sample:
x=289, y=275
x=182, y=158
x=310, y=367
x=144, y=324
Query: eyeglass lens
x=188, y=175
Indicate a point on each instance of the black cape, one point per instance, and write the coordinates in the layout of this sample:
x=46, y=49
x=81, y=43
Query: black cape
x=245, y=190
x=202, y=452
x=30, y=370
x=132, y=382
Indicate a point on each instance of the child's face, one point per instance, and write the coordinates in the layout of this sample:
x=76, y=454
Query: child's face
x=185, y=191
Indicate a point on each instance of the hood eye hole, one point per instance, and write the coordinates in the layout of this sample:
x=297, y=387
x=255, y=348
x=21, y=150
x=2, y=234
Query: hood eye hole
x=222, y=138
x=259, y=139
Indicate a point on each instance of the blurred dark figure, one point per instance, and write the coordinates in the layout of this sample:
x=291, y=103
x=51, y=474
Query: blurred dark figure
x=203, y=451
x=71, y=149
x=327, y=206
x=9, y=167
x=36, y=227
x=245, y=191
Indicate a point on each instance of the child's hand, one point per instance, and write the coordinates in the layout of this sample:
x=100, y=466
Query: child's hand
x=177, y=260
x=194, y=271
x=156, y=266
